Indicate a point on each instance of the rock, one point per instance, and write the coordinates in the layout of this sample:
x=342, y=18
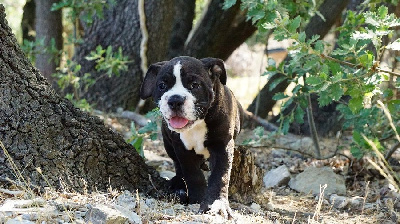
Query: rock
x=19, y=220
x=167, y=174
x=126, y=200
x=169, y=212
x=256, y=207
x=103, y=214
x=312, y=177
x=338, y=201
x=277, y=177
x=131, y=215
x=356, y=201
x=151, y=202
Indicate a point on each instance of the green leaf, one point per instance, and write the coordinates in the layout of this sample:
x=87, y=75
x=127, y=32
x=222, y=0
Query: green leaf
x=302, y=37
x=294, y=24
x=336, y=91
x=259, y=131
x=319, y=46
x=324, y=99
x=285, y=125
x=276, y=82
x=356, y=104
x=393, y=106
x=367, y=60
x=153, y=136
x=357, y=138
x=383, y=12
x=256, y=14
x=279, y=96
x=299, y=115
x=387, y=93
x=356, y=152
x=312, y=80
x=150, y=127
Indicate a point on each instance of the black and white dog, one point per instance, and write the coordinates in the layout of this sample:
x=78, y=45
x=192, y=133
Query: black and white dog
x=201, y=120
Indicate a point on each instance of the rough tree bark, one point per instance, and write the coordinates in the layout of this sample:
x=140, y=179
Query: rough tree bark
x=183, y=23
x=219, y=32
x=48, y=27
x=121, y=28
x=28, y=21
x=39, y=129
x=331, y=10
x=246, y=177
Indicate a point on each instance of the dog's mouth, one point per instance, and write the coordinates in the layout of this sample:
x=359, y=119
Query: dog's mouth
x=178, y=122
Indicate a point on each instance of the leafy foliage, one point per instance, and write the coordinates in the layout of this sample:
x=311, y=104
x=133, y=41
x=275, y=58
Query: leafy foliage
x=150, y=131
x=351, y=69
x=107, y=61
x=83, y=9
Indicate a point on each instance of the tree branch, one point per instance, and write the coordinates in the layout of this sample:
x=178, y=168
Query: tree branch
x=357, y=66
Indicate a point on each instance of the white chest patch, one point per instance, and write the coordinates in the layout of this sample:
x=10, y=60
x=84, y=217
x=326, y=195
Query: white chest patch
x=194, y=138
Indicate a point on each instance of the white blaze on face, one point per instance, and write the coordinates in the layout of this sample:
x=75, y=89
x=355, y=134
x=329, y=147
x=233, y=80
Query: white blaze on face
x=188, y=108
x=193, y=137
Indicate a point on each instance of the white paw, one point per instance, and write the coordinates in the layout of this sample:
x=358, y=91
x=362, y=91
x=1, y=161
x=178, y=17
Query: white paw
x=221, y=207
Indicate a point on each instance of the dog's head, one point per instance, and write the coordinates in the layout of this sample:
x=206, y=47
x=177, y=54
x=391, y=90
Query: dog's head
x=183, y=88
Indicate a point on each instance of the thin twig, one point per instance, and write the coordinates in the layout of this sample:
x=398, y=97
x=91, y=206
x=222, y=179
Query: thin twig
x=392, y=150
x=313, y=130
x=309, y=155
x=151, y=181
x=357, y=66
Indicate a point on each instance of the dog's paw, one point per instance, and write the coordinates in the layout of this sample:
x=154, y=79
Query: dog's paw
x=176, y=183
x=220, y=206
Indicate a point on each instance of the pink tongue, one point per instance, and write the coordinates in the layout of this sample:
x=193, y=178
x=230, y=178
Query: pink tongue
x=178, y=122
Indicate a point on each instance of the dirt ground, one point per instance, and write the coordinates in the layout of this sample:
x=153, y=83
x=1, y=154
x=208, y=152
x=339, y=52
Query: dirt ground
x=377, y=202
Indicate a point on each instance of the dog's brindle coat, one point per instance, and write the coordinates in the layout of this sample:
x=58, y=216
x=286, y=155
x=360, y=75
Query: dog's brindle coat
x=201, y=120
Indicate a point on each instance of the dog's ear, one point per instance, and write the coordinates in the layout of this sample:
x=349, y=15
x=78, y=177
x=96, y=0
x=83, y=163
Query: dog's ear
x=216, y=67
x=150, y=79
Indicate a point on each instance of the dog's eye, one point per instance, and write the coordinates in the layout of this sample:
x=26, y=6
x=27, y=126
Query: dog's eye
x=162, y=86
x=194, y=85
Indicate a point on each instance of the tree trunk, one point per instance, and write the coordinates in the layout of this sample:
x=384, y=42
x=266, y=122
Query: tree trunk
x=331, y=10
x=28, y=20
x=183, y=22
x=246, y=177
x=121, y=28
x=39, y=129
x=219, y=32
x=48, y=27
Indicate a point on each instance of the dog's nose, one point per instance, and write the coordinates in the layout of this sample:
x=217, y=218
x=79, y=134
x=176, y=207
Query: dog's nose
x=176, y=101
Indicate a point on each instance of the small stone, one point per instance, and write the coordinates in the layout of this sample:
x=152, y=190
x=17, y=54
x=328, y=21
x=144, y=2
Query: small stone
x=169, y=212
x=167, y=174
x=19, y=220
x=104, y=214
x=150, y=202
x=256, y=207
x=277, y=177
x=278, y=153
x=312, y=178
x=338, y=201
x=126, y=200
x=356, y=201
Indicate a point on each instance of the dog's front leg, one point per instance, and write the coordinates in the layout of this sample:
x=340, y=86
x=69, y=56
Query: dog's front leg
x=216, y=198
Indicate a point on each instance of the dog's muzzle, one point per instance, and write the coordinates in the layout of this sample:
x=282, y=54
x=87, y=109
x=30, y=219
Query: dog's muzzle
x=176, y=106
x=176, y=102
